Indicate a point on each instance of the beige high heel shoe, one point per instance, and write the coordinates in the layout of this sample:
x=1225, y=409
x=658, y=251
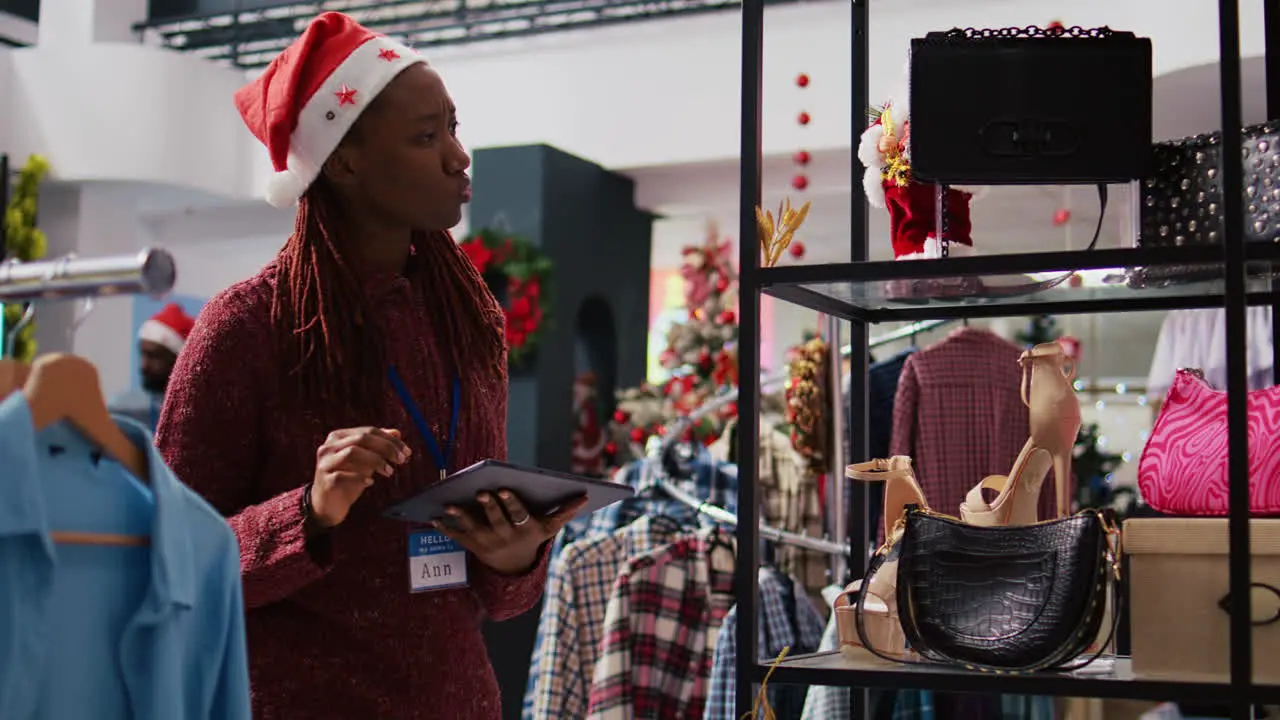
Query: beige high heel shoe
x=880, y=612
x=1047, y=375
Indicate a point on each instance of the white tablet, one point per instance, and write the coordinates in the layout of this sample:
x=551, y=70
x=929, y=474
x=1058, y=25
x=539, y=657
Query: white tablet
x=541, y=491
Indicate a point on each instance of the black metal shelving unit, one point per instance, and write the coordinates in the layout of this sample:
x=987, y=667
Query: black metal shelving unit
x=859, y=292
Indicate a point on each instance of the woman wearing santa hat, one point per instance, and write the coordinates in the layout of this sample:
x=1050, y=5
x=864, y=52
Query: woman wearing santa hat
x=361, y=365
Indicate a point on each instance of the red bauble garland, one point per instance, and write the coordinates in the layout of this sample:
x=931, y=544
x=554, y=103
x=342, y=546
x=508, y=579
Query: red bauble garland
x=800, y=181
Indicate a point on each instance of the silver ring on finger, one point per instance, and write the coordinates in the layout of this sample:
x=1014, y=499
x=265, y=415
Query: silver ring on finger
x=521, y=521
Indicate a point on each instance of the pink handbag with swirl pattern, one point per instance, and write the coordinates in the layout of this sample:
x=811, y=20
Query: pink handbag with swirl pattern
x=1183, y=470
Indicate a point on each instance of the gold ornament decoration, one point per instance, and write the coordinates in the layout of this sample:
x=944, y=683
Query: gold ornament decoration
x=776, y=234
x=806, y=402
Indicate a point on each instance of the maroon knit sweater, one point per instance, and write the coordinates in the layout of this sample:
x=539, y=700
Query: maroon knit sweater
x=333, y=630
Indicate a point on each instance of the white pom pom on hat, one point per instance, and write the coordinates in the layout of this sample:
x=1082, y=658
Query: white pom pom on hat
x=284, y=188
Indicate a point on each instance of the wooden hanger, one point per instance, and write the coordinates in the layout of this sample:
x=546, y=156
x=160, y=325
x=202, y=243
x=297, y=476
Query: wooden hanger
x=66, y=387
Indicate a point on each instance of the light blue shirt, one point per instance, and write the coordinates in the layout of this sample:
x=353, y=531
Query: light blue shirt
x=108, y=632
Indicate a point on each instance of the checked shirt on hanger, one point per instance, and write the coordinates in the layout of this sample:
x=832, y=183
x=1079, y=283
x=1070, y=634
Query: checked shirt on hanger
x=661, y=629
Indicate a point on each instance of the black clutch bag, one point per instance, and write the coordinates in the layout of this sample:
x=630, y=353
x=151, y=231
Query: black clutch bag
x=1030, y=106
x=1003, y=599
x=1182, y=197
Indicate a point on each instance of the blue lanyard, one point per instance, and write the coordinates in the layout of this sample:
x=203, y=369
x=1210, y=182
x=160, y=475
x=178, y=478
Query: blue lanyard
x=441, y=457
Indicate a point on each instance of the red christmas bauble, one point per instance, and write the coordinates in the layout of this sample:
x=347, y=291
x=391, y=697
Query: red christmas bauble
x=637, y=435
x=803, y=118
x=797, y=249
x=610, y=449
x=802, y=80
x=730, y=410
x=726, y=317
x=801, y=157
x=1061, y=217
x=722, y=285
x=799, y=182
x=621, y=417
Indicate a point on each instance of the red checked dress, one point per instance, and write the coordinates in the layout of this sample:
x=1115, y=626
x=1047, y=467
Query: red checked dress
x=333, y=630
x=959, y=415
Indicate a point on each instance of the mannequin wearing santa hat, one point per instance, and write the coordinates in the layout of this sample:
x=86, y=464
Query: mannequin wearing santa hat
x=360, y=366
x=885, y=151
x=160, y=339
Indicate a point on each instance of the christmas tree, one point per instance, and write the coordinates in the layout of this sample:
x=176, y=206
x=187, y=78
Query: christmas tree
x=1093, y=468
x=700, y=355
x=1041, y=329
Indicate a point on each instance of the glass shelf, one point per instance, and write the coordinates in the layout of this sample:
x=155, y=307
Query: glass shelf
x=1027, y=284
x=1107, y=678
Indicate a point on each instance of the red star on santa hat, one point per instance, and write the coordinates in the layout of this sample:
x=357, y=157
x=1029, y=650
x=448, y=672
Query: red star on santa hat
x=388, y=54
x=346, y=96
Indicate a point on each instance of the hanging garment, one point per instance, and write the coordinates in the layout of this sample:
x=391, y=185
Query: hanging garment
x=788, y=619
x=959, y=415
x=151, y=632
x=789, y=501
x=660, y=631
x=579, y=584
x=717, y=481
x=1198, y=339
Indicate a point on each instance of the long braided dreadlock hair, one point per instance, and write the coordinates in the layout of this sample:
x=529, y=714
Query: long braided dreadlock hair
x=329, y=341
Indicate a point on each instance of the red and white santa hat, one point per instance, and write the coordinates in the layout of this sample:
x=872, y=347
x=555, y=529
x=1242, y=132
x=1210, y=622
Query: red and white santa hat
x=169, y=328
x=306, y=100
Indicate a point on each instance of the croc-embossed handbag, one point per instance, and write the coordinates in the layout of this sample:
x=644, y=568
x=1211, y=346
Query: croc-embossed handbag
x=1011, y=599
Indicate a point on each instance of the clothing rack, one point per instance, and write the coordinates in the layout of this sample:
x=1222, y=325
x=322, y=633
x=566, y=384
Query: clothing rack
x=725, y=517
x=903, y=332
x=150, y=271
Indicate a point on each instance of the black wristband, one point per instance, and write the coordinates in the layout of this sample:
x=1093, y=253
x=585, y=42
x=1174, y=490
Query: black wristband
x=309, y=521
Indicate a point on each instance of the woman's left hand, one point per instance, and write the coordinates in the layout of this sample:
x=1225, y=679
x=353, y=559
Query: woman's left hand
x=504, y=535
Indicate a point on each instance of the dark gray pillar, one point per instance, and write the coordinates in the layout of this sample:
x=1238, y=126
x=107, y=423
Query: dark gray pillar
x=585, y=219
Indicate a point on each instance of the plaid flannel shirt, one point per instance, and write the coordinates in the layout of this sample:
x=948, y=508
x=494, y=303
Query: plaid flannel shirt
x=786, y=622
x=716, y=481
x=660, y=632
x=578, y=589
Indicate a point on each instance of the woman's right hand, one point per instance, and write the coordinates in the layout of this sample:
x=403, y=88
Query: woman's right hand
x=346, y=464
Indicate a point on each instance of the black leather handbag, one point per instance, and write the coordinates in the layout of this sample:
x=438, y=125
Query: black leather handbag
x=1182, y=197
x=1010, y=600
x=1030, y=106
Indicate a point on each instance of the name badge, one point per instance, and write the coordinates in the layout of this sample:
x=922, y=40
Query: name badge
x=435, y=562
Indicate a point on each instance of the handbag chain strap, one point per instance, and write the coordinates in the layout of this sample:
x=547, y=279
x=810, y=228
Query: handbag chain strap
x=1030, y=31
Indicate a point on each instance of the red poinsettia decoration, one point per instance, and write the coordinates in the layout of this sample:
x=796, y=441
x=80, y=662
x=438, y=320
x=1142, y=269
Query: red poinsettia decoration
x=527, y=274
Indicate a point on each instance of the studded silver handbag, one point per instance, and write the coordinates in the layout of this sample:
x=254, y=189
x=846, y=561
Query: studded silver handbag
x=1182, y=196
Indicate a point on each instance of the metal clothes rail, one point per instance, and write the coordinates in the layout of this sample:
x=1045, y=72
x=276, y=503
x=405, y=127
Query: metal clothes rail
x=725, y=517
x=148, y=272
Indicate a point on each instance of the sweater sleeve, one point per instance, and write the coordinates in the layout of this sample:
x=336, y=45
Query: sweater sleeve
x=212, y=435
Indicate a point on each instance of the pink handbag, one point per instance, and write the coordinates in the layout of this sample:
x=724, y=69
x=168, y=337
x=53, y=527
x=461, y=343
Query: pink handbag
x=1183, y=470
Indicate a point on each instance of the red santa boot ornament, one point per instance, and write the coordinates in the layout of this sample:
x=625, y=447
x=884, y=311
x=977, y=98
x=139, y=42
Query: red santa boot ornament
x=885, y=150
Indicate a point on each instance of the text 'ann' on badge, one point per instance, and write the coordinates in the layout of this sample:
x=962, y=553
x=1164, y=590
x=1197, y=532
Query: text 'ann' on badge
x=436, y=562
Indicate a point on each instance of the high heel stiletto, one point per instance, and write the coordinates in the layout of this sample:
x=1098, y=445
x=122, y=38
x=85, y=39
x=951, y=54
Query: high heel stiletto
x=880, y=612
x=1047, y=375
